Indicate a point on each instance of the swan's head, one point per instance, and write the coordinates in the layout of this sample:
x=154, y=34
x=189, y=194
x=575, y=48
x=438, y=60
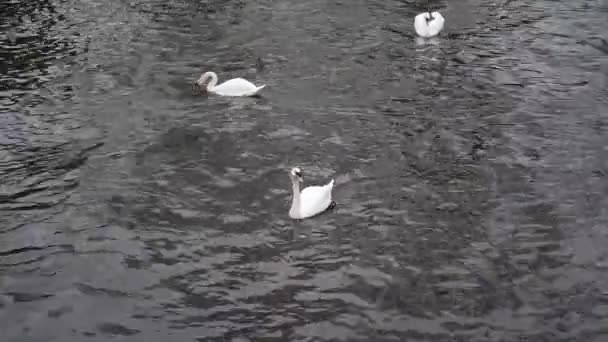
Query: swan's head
x=296, y=174
x=428, y=16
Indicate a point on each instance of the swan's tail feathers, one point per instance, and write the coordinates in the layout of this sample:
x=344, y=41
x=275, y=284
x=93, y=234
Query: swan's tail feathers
x=254, y=92
x=331, y=183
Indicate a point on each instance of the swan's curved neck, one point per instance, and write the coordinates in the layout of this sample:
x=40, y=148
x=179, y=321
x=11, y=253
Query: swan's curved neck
x=295, y=203
x=211, y=85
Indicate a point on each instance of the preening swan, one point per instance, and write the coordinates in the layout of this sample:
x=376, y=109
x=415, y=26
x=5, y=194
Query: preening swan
x=310, y=201
x=233, y=87
x=428, y=24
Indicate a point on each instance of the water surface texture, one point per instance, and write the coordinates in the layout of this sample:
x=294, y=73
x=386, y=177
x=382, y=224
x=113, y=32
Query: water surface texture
x=471, y=171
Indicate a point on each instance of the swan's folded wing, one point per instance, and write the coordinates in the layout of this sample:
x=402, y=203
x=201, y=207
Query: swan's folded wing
x=436, y=25
x=315, y=199
x=421, y=25
x=235, y=86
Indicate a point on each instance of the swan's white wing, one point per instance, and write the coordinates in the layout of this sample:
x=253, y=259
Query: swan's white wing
x=421, y=26
x=235, y=87
x=428, y=29
x=436, y=25
x=315, y=199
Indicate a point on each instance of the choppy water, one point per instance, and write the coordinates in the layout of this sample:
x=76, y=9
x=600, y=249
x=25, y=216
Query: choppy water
x=472, y=172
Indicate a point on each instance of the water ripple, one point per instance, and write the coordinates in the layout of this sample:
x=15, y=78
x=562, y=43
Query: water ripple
x=470, y=172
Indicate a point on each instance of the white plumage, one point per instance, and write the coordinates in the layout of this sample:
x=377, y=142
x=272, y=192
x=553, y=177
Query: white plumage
x=428, y=24
x=310, y=201
x=232, y=87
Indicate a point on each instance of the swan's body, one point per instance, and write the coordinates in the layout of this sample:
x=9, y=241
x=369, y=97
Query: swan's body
x=234, y=87
x=428, y=24
x=310, y=201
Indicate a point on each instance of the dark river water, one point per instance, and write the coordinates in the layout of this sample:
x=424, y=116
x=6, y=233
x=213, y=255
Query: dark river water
x=471, y=171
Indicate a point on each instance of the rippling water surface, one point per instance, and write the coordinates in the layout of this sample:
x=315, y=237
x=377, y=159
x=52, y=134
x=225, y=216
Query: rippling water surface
x=471, y=171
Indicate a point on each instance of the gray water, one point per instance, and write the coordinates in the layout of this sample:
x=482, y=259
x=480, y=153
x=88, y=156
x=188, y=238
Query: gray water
x=471, y=171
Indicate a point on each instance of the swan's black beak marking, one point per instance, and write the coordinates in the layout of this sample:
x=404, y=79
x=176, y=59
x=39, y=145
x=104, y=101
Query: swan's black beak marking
x=430, y=18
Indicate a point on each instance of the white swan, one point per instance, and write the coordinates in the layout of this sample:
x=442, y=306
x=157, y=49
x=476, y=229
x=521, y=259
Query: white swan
x=428, y=24
x=310, y=201
x=233, y=87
